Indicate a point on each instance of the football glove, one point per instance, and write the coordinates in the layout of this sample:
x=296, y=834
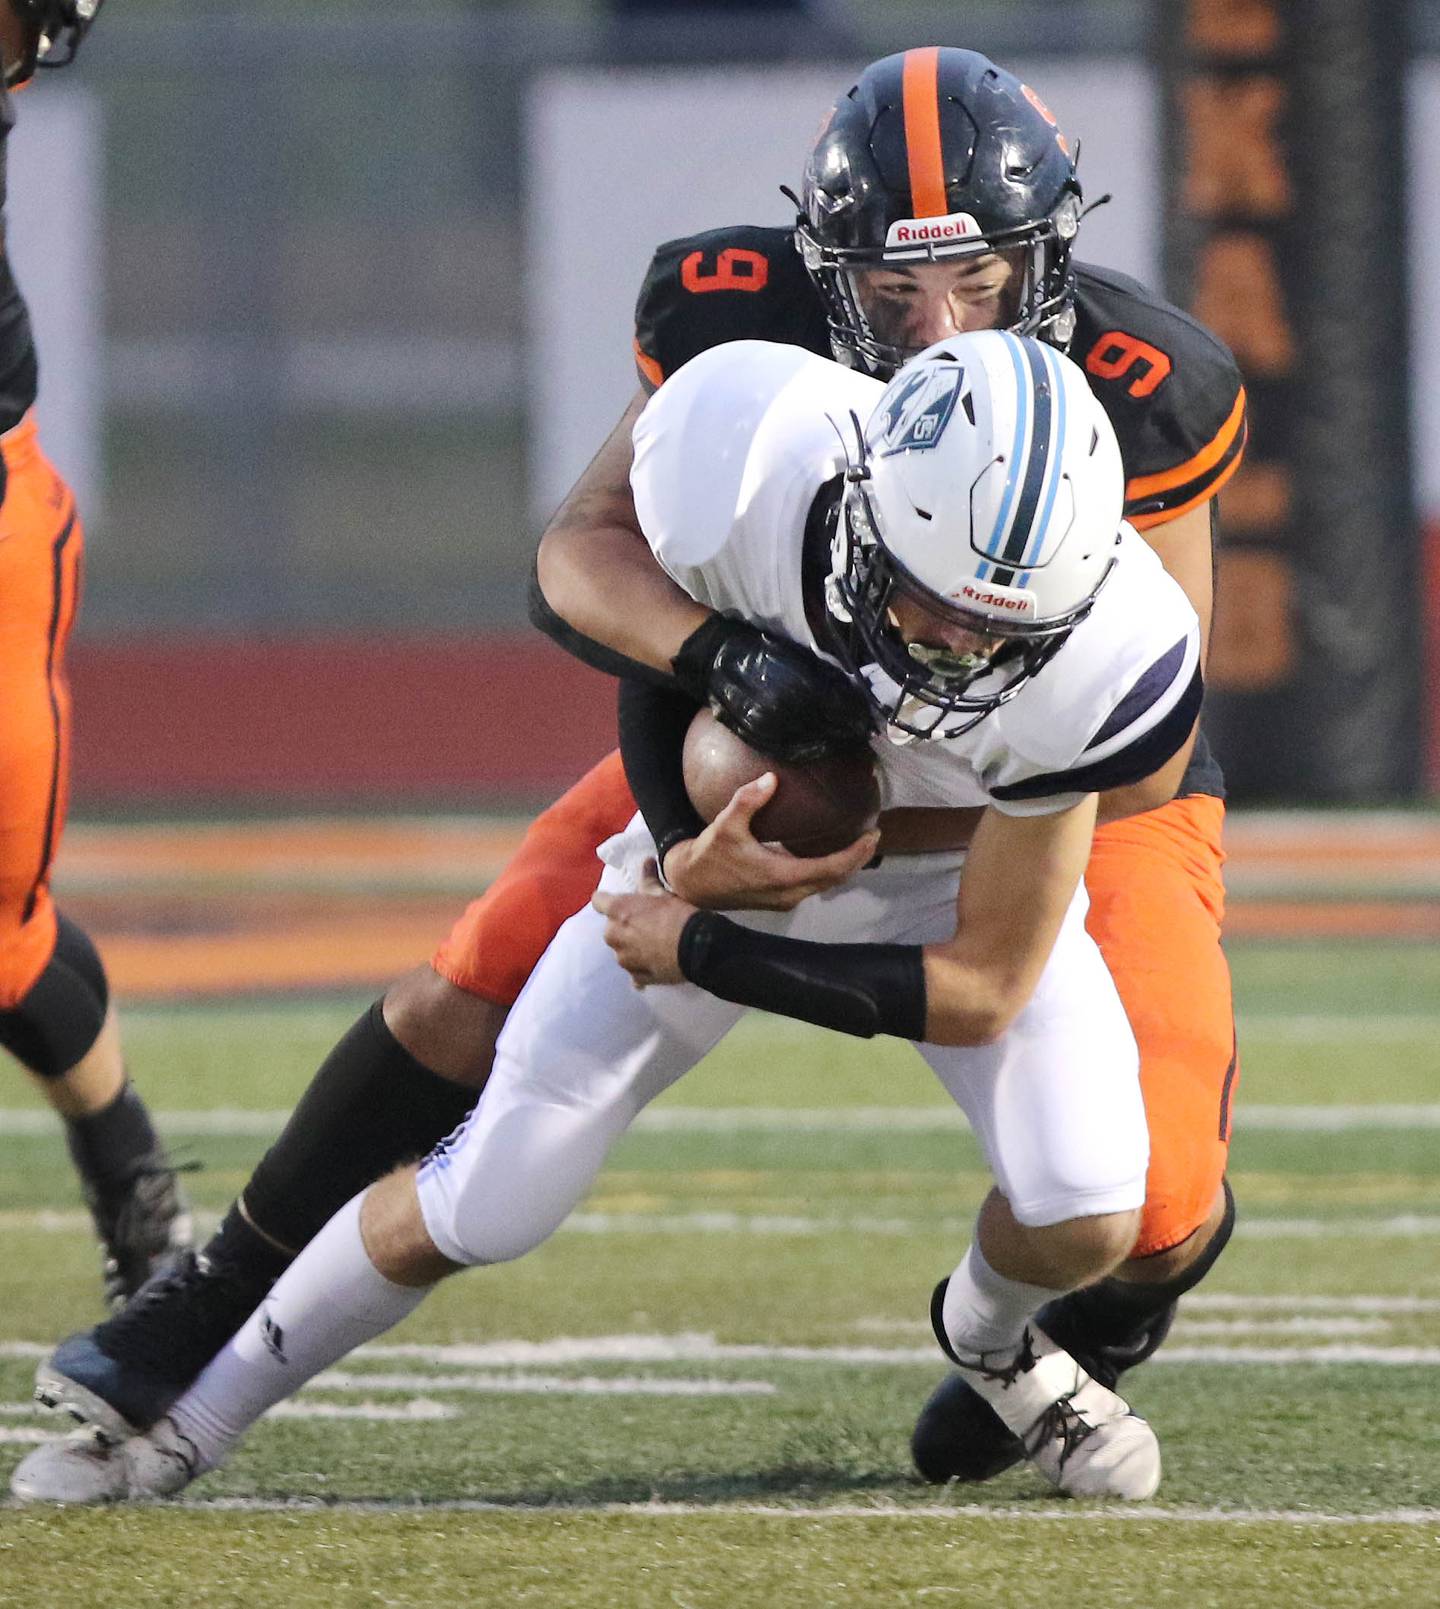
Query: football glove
x=783, y=700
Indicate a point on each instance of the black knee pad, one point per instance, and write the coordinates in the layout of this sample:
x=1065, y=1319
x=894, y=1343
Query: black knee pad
x=60, y=1017
x=73, y=947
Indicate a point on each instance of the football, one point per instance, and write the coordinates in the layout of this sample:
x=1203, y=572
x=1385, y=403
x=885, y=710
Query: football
x=816, y=809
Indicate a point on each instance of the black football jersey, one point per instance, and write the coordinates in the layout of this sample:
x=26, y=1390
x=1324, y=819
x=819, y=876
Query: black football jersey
x=18, y=374
x=1169, y=387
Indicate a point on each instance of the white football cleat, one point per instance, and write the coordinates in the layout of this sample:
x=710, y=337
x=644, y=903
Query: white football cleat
x=1082, y=1437
x=86, y=1468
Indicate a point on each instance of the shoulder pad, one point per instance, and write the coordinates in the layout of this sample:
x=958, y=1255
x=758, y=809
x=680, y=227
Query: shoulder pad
x=1171, y=390
x=738, y=284
x=1117, y=701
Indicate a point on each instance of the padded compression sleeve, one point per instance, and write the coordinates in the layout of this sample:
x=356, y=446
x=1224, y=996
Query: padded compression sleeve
x=586, y=649
x=653, y=723
x=861, y=989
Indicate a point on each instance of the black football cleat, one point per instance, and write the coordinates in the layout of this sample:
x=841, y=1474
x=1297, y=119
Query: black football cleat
x=125, y=1374
x=142, y=1222
x=960, y=1437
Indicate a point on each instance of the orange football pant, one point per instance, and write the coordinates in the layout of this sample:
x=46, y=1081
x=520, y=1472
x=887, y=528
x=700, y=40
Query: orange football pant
x=41, y=553
x=1156, y=905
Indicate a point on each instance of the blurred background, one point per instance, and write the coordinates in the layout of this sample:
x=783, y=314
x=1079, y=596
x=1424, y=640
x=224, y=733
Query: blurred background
x=338, y=303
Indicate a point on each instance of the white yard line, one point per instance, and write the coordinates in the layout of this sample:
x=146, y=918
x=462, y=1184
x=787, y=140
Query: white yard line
x=226, y=1122
x=1228, y=1302
x=1101, y=1514
x=1325, y=1326
x=523, y=1357
x=553, y=1384
x=1401, y=1226
x=695, y=1348
x=419, y=1410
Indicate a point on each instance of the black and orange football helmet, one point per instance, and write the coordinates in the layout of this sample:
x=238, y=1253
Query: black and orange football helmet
x=936, y=154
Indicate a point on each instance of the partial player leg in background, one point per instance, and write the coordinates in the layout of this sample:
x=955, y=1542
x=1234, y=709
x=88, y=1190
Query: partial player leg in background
x=55, y=1011
x=400, y=1080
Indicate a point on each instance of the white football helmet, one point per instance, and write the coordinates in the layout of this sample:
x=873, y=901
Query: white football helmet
x=989, y=490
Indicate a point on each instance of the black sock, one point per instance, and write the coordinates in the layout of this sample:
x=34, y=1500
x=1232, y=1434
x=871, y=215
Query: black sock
x=370, y=1107
x=109, y=1145
x=247, y=1252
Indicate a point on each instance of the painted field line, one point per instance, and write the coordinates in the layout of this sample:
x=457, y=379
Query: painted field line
x=550, y=1384
x=1402, y=1226
x=1326, y=1326
x=569, y=1351
x=1408, y=1226
x=418, y=1410
x=229, y=1122
x=1332, y=1311
x=1228, y=1302
x=697, y=1348
x=1304, y=1026
x=1100, y=1514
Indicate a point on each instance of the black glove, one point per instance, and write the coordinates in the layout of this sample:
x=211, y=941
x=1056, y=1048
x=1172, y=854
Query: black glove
x=782, y=699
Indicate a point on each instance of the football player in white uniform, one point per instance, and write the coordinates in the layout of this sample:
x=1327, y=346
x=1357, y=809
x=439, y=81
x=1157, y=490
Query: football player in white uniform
x=963, y=561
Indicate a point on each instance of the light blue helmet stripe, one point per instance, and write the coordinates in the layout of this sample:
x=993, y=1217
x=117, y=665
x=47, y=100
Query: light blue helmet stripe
x=1024, y=386
x=1055, y=455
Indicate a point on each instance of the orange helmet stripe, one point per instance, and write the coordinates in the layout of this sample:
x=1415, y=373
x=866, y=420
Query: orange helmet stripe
x=920, y=93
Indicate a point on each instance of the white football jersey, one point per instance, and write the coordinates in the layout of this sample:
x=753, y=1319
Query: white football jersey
x=729, y=456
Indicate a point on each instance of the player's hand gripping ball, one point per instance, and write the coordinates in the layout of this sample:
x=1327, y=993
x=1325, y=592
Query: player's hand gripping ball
x=816, y=809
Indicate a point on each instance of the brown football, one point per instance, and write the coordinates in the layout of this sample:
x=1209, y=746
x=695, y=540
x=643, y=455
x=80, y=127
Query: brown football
x=815, y=810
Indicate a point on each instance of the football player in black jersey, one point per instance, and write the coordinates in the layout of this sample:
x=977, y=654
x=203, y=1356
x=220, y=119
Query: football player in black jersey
x=940, y=196
x=55, y=1013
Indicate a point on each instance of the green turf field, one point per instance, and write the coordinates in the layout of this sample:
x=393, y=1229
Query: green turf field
x=699, y=1393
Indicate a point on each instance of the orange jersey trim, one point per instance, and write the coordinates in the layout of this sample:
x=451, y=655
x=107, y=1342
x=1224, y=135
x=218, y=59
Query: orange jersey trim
x=1192, y=468
x=649, y=369
x=1145, y=522
x=920, y=91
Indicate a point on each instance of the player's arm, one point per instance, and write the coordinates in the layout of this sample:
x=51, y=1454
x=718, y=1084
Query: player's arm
x=1186, y=547
x=596, y=575
x=1019, y=878
x=601, y=593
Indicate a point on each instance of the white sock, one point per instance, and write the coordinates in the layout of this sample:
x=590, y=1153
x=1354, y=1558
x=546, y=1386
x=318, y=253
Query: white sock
x=985, y=1311
x=330, y=1300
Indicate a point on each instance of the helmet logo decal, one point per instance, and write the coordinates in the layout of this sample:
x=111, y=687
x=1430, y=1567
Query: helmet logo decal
x=932, y=231
x=915, y=417
x=1047, y=114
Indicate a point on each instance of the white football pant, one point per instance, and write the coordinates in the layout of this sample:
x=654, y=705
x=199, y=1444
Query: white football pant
x=1055, y=1102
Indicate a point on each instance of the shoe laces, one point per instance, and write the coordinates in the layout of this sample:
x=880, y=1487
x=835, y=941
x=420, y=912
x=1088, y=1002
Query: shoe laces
x=1061, y=1422
x=1005, y=1374
x=183, y=1302
x=129, y=1211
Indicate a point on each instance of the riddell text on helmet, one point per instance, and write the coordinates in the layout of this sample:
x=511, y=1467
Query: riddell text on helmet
x=926, y=231
x=1020, y=603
